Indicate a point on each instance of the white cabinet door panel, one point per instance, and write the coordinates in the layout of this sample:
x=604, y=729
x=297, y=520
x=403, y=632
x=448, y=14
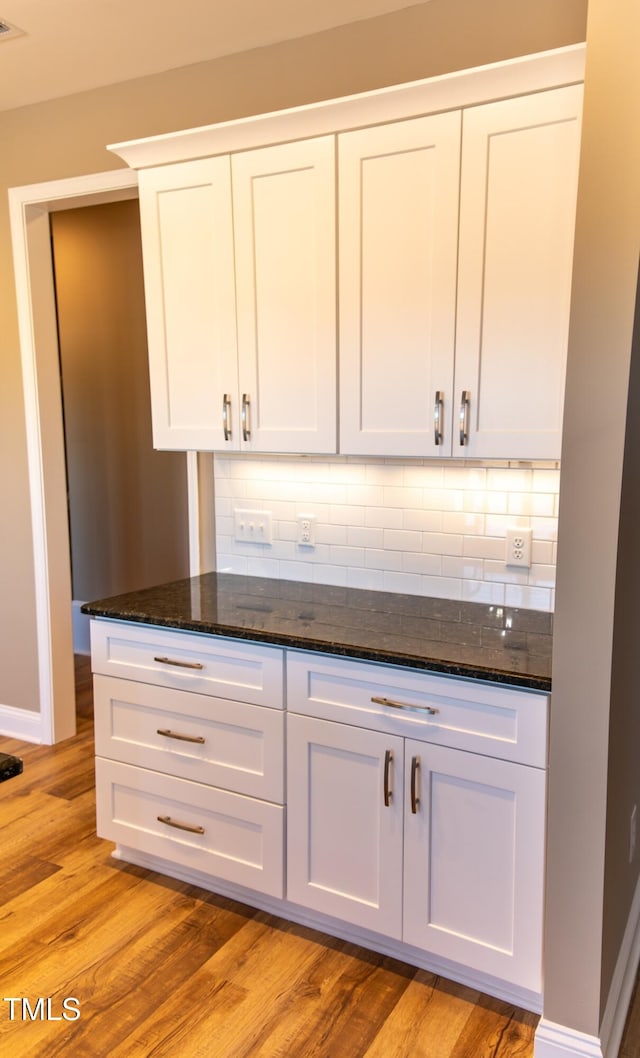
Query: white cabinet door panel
x=398, y=195
x=203, y=664
x=344, y=844
x=232, y=745
x=218, y=833
x=284, y=221
x=517, y=217
x=474, y=862
x=187, y=236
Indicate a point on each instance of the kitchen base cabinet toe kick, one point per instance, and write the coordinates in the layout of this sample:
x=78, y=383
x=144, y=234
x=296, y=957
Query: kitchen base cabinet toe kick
x=411, y=821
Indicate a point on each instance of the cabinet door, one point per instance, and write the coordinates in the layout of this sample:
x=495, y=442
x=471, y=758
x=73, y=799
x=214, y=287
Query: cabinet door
x=344, y=843
x=284, y=219
x=517, y=218
x=398, y=228
x=187, y=240
x=474, y=859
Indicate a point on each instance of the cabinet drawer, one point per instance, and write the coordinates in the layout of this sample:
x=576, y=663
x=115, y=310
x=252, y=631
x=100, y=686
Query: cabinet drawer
x=481, y=717
x=204, y=664
x=222, y=743
x=235, y=838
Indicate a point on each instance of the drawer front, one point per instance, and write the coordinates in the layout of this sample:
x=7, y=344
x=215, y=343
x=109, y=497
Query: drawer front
x=481, y=717
x=226, y=668
x=232, y=745
x=220, y=834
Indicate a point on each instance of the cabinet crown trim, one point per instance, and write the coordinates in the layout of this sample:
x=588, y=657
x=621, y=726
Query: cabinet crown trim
x=522, y=75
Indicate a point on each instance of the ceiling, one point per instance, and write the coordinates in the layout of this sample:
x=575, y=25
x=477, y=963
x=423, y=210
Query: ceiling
x=69, y=46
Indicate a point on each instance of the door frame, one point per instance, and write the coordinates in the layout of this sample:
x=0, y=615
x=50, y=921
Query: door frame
x=30, y=207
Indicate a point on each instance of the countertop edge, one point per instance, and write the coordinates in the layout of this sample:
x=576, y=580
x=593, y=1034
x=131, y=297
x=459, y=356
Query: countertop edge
x=459, y=670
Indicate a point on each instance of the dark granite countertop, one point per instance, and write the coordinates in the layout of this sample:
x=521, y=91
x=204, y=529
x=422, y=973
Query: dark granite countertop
x=464, y=639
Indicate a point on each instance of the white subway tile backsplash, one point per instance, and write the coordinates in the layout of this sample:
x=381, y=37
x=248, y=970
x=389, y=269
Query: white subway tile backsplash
x=424, y=528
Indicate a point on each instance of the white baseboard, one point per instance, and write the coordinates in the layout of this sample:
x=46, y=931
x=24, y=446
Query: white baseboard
x=558, y=1041
x=81, y=622
x=622, y=982
x=20, y=723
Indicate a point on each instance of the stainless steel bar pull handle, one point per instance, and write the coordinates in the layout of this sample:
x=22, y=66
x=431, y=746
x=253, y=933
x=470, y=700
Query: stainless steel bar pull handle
x=388, y=757
x=415, y=800
x=393, y=704
x=167, y=733
x=464, y=416
x=180, y=664
x=246, y=417
x=226, y=416
x=191, y=828
x=437, y=417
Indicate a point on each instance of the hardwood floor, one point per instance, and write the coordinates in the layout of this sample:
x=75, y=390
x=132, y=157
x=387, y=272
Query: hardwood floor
x=162, y=968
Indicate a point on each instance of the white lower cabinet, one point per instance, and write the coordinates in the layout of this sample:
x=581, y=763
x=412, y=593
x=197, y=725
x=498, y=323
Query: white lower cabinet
x=414, y=803
x=435, y=847
x=187, y=772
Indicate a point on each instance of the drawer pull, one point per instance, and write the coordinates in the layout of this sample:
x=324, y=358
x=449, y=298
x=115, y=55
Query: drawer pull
x=246, y=420
x=180, y=664
x=464, y=416
x=191, y=828
x=388, y=757
x=415, y=800
x=405, y=705
x=181, y=738
x=437, y=418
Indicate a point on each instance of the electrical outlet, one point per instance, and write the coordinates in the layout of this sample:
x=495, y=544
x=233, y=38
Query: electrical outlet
x=518, y=547
x=252, y=527
x=307, y=530
x=632, y=833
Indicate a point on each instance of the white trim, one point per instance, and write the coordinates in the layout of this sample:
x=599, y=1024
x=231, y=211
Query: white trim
x=528, y=73
x=21, y=724
x=558, y=1041
x=29, y=209
x=193, y=508
x=622, y=982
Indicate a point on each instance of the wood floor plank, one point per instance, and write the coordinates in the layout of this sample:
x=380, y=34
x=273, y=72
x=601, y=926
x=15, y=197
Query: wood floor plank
x=427, y=1022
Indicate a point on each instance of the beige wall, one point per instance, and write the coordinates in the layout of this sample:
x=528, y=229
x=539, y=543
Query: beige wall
x=127, y=501
x=595, y=738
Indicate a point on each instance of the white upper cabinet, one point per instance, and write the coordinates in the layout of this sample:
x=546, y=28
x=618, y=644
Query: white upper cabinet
x=453, y=201
x=187, y=239
x=239, y=255
x=517, y=217
x=284, y=222
x=426, y=369
x=398, y=230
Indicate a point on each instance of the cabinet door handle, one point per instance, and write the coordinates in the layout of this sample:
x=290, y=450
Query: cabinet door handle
x=181, y=738
x=191, y=828
x=415, y=768
x=180, y=664
x=437, y=417
x=393, y=704
x=246, y=418
x=226, y=416
x=388, y=794
x=464, y=416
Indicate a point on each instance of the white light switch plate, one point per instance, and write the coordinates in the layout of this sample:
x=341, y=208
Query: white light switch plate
x=252, y=527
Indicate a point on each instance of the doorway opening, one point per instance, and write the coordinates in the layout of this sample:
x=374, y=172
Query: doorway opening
x=30, y=211
x=127, y=501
